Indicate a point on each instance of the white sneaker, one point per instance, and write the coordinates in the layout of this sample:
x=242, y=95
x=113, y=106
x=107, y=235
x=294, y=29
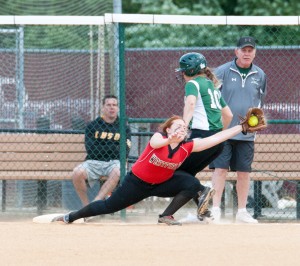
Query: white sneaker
x=216, y=213
x=245, y=217
x=190, y=218
x=286, y=203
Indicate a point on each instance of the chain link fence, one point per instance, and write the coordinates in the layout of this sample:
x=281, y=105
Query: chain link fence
x=53, y=77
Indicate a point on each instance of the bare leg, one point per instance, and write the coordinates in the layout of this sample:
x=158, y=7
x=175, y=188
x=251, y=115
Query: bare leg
x=79, y=178
x=109, y=185
x=242, y=188
x=218, y=182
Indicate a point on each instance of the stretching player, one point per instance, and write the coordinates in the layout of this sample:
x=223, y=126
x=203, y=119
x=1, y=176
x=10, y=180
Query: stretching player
x=154, y=174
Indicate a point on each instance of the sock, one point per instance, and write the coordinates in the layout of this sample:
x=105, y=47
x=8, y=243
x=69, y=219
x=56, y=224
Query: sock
x=177, y=202
x=215, y=208
x=242, y=210
x=92, y=209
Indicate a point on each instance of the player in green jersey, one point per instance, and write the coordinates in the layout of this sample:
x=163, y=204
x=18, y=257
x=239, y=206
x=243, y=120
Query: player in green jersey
x=205, y=113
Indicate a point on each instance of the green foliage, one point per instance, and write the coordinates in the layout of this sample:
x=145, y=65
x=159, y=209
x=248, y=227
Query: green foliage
x=159, y=36
x=267, y=8
x=56, y=7
x=190, y=36
x=178, y=7
x=53, y=37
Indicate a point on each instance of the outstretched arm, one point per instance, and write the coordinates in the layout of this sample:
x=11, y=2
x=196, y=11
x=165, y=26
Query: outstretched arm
x=206, y=143
x=157, y=140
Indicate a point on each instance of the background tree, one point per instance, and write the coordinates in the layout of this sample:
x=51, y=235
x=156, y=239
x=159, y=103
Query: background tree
x=139, y=36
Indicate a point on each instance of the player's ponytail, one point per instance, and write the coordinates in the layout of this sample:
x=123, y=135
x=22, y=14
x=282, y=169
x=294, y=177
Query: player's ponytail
x=212, y=77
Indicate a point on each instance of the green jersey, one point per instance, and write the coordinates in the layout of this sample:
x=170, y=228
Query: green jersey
x=208, y=110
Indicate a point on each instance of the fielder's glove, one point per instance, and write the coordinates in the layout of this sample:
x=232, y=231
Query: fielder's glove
x=244, y=121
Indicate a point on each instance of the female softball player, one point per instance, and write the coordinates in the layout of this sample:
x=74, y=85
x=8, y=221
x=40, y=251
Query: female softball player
x=153, y=174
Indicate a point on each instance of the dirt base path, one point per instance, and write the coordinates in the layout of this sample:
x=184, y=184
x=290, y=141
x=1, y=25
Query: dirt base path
x=26, y=243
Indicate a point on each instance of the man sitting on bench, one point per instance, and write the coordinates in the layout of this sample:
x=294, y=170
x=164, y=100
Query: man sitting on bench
x=102, y=144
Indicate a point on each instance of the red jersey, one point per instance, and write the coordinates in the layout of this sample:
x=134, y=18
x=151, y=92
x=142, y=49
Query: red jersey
x=158, y=165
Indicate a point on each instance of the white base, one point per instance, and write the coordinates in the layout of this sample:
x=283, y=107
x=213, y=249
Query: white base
x=47, y=218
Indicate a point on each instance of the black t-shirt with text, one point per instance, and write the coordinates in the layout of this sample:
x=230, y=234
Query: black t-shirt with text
x=102, y=140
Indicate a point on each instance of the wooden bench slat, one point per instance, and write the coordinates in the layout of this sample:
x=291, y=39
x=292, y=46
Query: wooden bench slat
x=40, y=138
x=46, y=166
x=41, y=157
x=67, y=156
x=277, y=157
x=277, y=166
x=35, y=175
x=42, y=147
x=278, y=147
x=38, y=175
x=32, y=137
x=203, y=176
x=272, y=166
x=273, y=138
x=257, y=176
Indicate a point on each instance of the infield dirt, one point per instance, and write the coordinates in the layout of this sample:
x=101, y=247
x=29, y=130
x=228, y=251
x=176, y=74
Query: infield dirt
x=27, y=243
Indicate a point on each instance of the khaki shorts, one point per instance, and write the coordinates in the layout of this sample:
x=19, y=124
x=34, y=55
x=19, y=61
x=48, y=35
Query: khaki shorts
x=96, y=169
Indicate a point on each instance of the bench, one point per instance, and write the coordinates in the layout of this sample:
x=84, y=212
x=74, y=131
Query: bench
x=277, y=157
x=39, y=156
x=52, y=156
x=34, y=155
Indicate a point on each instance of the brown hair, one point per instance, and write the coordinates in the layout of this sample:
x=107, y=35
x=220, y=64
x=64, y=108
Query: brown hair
x=168, y=123
x=207, y=71
x=110, y=96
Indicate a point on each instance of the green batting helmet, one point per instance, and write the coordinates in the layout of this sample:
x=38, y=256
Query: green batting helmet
x=191, y=64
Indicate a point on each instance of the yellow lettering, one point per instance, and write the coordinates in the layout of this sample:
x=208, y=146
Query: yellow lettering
x=117, y=136
x=103, y=135
x=128, y=143
x=110, y=135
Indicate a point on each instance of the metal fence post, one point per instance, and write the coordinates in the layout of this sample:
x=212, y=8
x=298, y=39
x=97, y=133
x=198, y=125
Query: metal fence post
x=257, y=199
x=298, y=200
x=123, y=118
x=42, y=122
x=3, y=195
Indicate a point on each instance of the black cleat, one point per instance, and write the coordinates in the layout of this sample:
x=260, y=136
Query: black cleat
x=204, y=199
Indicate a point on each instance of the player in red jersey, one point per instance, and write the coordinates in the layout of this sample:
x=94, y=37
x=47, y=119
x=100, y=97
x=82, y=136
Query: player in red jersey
x=154, y=174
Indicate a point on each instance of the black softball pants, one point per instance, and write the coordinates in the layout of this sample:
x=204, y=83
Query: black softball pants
x=197, y=161
x=133, y=190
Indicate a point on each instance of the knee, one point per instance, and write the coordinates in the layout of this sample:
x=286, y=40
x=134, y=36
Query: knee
x=197, y=185
x=194, y=187
x=220, y=173
x=191, y=192
x=191, y=183
x=79, y=174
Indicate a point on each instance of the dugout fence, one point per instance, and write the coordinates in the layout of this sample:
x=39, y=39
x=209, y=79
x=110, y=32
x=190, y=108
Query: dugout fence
x=55, y=71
